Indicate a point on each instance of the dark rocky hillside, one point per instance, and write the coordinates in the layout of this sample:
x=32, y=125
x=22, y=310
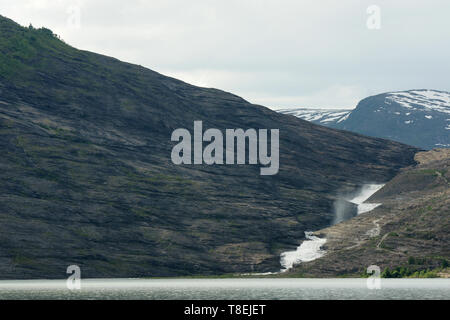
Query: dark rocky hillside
x=86, y=175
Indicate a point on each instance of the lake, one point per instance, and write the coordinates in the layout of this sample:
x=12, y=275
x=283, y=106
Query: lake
x=227, y=289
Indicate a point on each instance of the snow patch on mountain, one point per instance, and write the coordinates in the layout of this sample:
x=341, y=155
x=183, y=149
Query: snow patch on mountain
x=417, y=117
x=323, y=116
x=421, y=100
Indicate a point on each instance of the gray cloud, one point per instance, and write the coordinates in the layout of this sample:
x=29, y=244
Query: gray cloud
x=276, y=53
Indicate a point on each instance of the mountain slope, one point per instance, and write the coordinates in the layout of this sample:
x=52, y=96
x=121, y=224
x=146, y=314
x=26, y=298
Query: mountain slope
x=409, y=230
x=87, y=177
x=416, y=117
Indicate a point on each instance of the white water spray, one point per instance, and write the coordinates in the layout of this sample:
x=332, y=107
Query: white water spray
x=311, y=248
x=365, y=193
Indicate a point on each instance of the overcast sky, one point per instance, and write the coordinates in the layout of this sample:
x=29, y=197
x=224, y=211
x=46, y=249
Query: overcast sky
x=278, y=53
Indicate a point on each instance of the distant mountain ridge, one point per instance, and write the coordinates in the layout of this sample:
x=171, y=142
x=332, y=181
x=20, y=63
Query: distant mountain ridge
x=328, y=117
x=416, y=117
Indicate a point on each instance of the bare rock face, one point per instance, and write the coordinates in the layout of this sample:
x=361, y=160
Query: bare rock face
x=431, y=156
x=87, y=178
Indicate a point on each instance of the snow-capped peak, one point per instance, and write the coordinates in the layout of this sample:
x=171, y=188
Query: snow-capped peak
x=416, y=117
x=322, y=116
x=424, y=100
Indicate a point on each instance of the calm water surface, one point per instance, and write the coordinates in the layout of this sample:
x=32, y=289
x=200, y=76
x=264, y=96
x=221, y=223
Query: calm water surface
x=186, y=289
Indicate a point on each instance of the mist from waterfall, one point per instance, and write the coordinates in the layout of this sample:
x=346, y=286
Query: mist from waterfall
x=345, y=208
x=351, y=205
